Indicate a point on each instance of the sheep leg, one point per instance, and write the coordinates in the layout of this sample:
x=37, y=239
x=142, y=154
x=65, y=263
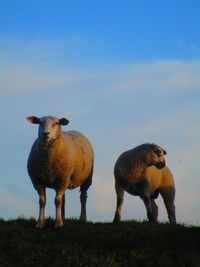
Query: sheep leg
x=58, y=204
x=63, y=207
x=147, y=203
x=168, y=195
x=120, y=199
x=42, y=202
x=83, y=199
x=154, y=208
x=83, y=196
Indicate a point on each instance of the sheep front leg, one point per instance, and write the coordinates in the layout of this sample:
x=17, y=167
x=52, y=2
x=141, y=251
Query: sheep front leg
x=168, y=195
x=120, y=198
x=58, y=204
x=147, y=203
x=154, y=210
x=42, y=202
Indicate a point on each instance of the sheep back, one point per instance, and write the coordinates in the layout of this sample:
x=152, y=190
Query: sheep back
x=131, y=162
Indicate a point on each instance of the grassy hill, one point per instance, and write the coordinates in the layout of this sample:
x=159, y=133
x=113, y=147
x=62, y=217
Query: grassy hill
x=126, y=244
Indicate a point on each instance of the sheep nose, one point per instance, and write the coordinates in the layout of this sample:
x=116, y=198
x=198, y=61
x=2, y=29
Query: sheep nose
x=45, y=134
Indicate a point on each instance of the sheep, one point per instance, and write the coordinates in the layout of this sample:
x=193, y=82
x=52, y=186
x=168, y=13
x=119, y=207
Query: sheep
x=142, y=172
x=59, y=160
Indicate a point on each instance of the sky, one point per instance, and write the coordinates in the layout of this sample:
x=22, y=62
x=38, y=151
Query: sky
x=123, y=73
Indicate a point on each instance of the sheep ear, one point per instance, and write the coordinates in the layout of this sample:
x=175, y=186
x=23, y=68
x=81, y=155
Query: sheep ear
x=33, y=119
x=165, y=152
x=63, y=121
x=153, y=146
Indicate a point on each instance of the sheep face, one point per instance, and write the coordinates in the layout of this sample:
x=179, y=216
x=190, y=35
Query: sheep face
x=49, y=127
x=156, y=156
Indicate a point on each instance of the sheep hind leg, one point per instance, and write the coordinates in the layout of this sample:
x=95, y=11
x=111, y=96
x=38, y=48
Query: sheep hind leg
x=83, y=196
x=83, y=199
x=63, y=207
x=42, y=202
x=120, y=199
x=168, y=195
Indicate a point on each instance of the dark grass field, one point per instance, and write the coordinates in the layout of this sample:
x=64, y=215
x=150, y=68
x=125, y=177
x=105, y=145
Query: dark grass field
x=129, y=243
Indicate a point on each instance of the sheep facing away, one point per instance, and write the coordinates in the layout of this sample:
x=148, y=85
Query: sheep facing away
x=142, y=172
x=59, y=160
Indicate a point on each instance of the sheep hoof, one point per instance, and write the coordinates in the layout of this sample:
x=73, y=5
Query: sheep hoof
x=59, y=225
x=117, y=219
x=82, y=219
x=153, y=221
x=40, y=225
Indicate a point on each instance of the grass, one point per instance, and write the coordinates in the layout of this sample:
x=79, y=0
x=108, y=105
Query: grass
x=127, y=244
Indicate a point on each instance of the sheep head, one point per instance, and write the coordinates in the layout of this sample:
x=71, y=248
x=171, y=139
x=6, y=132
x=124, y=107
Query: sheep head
x=156, y=156
x=49, y=127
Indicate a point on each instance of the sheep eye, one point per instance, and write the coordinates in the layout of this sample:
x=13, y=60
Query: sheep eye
x=55, y=124
x=156, y=152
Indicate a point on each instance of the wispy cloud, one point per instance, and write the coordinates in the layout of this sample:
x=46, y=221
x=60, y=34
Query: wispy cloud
x=27, y=78
x=103, y=190
x=193, y=47
x=183, y=122
x=119, y=105
x=30, y=67
x=164, y=77
x=160, y=78
x=14, y=205
x=178, y=133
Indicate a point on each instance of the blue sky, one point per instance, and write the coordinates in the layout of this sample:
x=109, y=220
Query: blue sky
x=123, y=73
